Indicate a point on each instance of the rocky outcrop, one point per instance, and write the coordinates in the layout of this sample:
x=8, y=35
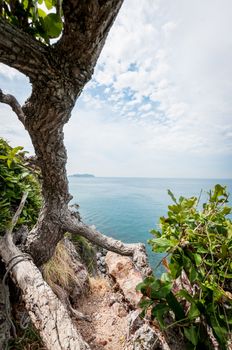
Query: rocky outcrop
x=124, y=273
x=140, y=333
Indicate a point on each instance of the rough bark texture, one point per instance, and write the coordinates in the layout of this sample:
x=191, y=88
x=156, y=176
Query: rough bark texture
x=46, y=311
x=4, y=305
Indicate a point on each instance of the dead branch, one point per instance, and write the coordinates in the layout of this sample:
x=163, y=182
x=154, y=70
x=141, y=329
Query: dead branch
x=14, y=104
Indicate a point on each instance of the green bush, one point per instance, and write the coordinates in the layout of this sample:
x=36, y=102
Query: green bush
x=16, y=177
x=198, y=247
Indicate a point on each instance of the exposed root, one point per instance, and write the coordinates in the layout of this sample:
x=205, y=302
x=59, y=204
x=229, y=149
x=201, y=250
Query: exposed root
x=79, y=316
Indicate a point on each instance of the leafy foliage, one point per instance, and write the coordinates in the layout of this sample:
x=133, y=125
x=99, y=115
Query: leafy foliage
x=29, y=15
x=196, y=290
x=16, y=177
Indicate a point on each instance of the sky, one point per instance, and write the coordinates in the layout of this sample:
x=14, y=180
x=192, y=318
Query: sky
x=159, y=103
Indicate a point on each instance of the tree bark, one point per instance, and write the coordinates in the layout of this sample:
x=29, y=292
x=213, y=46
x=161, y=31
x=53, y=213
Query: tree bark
x=46, y=311
x=20, y=51
x=4, y=306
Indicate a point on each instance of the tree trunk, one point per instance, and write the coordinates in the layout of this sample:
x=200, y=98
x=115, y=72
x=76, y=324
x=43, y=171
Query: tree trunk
x=58, y=74
x=46, y=311
x=4, y=309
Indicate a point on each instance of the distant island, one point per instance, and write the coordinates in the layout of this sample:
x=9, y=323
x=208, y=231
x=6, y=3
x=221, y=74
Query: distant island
x=81, y=175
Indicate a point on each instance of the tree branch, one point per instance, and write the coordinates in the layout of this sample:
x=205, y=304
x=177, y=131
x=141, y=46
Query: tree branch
x=17, y=214
x=14, y=104
x=19, y=50
x=86, y=26
x=136, y=250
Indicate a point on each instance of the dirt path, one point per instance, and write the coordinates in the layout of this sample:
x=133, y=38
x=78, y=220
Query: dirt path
x=108, y=329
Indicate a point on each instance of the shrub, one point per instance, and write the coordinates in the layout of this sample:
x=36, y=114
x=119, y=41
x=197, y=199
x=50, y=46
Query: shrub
x=16, y=177
x=195, y=292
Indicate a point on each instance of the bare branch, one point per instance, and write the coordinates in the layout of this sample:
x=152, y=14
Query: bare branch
x=14, y=104
x=17, y=214
x=19, y=50
x=136, y=250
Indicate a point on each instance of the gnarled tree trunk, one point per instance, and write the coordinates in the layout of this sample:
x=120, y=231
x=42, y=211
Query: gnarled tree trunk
x=58, y=74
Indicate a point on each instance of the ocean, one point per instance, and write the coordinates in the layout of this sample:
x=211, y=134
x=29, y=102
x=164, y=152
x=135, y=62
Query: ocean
x=128, y=208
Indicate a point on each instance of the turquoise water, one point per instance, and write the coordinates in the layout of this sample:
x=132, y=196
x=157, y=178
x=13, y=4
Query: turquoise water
x=128, y=208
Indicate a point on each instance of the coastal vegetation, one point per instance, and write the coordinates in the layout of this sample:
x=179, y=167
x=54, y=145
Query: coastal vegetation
x=17, y=176
x=195, y=294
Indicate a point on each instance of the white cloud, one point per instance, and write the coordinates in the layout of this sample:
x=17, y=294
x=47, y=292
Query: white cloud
x=180, y=54
x=159, y=103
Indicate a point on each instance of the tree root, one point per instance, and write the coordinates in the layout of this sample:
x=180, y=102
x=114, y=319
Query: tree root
x=48, y=314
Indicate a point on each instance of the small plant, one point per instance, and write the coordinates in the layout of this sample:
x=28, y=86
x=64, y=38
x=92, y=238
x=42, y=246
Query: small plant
x=16, y=177
x=195, y=292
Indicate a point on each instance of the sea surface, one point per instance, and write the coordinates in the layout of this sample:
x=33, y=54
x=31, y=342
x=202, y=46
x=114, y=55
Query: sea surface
x=128, y=208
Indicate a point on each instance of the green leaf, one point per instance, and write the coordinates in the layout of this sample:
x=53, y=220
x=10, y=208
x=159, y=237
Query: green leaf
x=158, y=312
x=41, y=13
x=162, y=244
x=198, y=259
x=184, y=294
x=172, y=196
x=145, y=303
x=53, y=25
x=162, y=291
x=192, y=274
x=9, y=162
x=175, y=306
x=49, y=4
x=193, y=312
x=15, y=150
x=191, y=334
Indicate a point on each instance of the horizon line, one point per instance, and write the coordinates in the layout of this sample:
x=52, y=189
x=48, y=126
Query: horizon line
x=152, y=177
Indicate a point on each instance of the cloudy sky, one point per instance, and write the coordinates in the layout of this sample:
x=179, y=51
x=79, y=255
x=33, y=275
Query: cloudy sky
x=159, y=103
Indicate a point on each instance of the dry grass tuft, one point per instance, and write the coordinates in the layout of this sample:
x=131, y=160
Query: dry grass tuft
x=59, y=269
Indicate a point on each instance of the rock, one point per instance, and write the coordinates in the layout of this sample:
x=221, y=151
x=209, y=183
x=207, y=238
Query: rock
x=125, y=274
x=102, y=342
x=112, y=300
x=98, y=255
x=144, y=339
x=150, y=338
x=119, y=309
x=102, y=261
x=113, y=322
x=134, y=322
x=92, y=338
